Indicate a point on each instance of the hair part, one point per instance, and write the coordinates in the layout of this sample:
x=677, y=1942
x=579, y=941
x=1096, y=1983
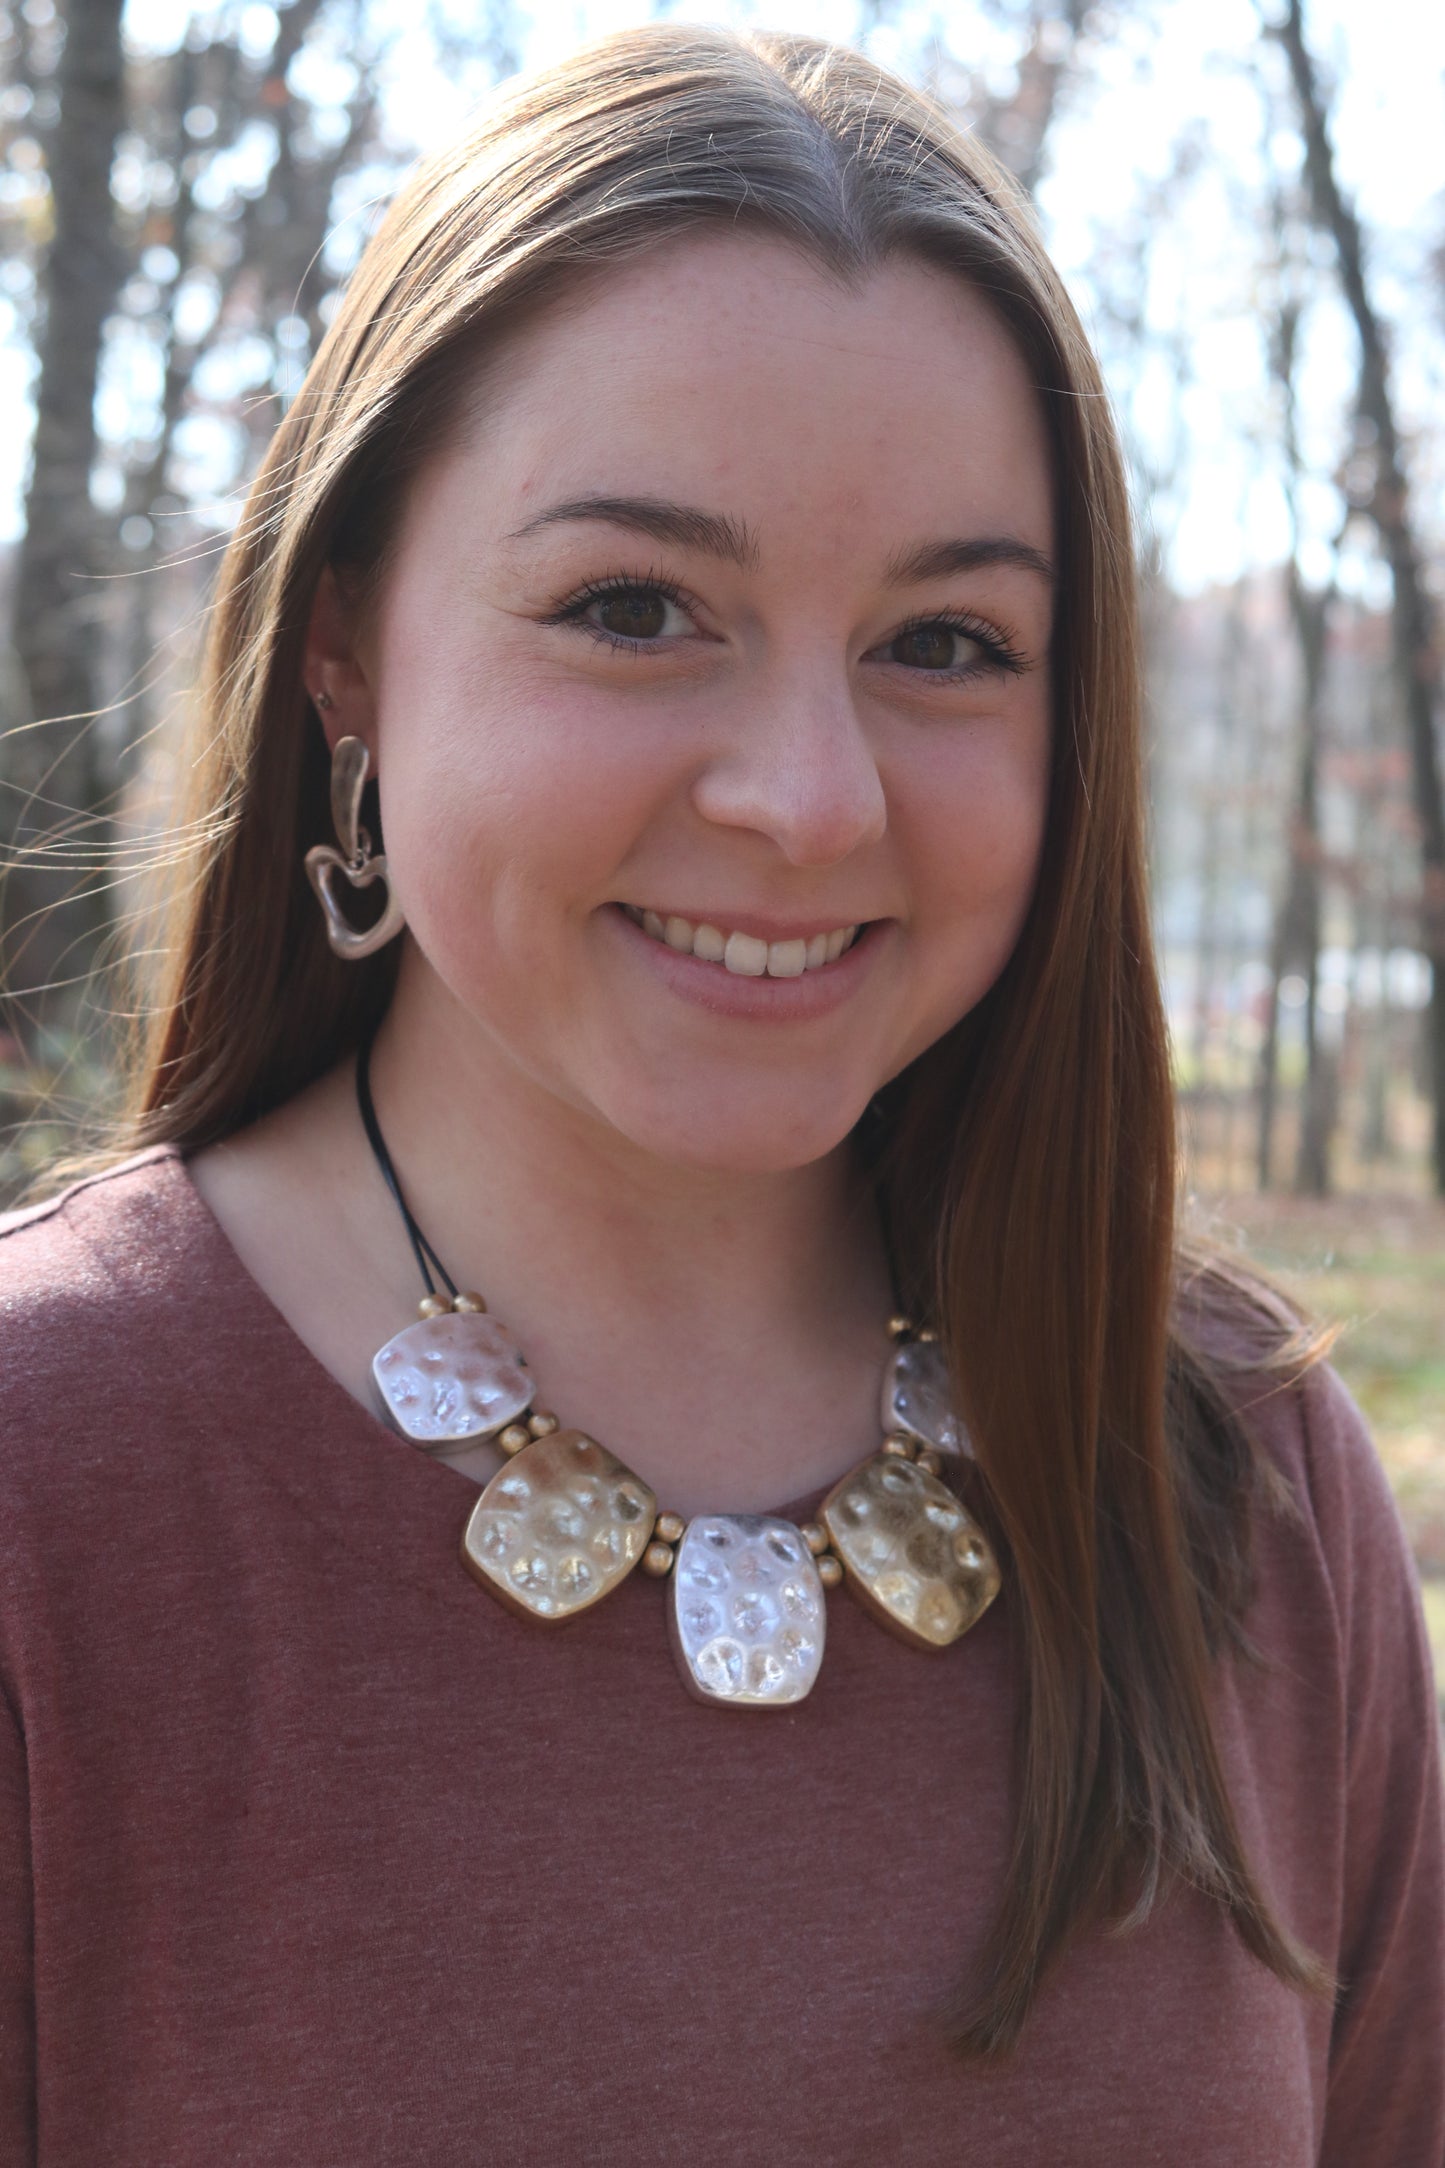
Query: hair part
x=1027, y=1160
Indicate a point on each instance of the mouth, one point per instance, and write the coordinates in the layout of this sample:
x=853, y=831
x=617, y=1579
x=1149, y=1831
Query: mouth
x=745, y=955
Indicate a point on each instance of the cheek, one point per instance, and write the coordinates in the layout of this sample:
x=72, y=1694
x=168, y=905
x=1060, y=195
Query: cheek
x=503, y=824
x=975, y=841
x=981, y=822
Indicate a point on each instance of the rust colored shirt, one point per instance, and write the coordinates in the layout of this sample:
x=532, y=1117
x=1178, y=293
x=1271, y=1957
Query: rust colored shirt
x=311, y=1853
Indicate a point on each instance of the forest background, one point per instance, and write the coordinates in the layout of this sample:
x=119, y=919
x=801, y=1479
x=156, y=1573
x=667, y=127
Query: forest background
x=1249, y=204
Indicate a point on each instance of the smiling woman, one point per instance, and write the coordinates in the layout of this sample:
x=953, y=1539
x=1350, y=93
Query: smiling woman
x=700, y=552
x=801, y=662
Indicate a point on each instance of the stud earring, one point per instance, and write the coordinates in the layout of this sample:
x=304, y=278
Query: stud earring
x=355, y=859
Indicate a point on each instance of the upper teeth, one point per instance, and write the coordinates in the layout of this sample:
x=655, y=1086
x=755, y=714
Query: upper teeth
x=743, y=952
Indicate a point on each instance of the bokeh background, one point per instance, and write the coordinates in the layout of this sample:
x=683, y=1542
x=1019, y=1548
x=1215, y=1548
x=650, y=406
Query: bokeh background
x=1249, y=204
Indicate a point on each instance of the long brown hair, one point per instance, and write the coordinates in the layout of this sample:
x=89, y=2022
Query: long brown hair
x=1026, y=1162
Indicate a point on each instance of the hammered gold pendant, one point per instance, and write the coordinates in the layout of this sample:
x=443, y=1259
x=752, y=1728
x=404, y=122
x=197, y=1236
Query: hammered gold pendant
x=911, y=1552
x=558, y=1527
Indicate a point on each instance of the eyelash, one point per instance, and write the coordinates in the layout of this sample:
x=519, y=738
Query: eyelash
x=571, y=611
x=1000, y=653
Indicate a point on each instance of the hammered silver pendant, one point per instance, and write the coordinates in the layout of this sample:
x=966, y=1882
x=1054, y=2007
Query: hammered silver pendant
x=459, y=1375
x=747, y=1614
x=916, y=1397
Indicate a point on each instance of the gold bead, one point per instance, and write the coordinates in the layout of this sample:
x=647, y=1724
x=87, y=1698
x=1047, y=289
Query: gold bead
x=930, y=1461
x=514, y=1437
x=468, y=1302
x=815, y=1537
x=898, y=1441
x=671, y=1527
x=657, y=1560
x=928, y=1336
x=542, y=1423
x=433, y=1306
x=899, y=1327
x=830, y=1573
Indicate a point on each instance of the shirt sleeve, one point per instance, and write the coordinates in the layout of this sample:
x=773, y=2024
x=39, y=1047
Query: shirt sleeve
x=17, y=1970
x=1385, y=2102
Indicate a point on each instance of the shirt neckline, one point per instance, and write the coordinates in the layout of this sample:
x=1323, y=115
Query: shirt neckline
x=340, y=1408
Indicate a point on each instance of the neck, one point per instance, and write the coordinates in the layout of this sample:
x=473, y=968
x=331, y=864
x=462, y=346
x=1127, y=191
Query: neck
x=722, y=1331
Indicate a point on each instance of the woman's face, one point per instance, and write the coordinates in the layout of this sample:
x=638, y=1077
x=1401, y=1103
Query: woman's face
x=722, y=634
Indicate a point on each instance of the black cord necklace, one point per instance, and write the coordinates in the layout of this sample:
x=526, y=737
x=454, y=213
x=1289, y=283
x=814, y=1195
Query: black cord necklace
x=375, y=1139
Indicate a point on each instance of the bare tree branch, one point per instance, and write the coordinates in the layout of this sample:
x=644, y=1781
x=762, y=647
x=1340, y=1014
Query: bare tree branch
x=1416, y=656
x=55, y=593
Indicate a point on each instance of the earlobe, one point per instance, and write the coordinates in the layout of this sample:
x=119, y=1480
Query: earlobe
x=335, y=679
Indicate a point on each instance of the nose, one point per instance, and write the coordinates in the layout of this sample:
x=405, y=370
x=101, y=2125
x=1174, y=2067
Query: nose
x=798, y=768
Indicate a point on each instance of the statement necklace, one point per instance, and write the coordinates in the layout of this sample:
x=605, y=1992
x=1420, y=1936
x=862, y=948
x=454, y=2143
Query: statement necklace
x=564, y=1521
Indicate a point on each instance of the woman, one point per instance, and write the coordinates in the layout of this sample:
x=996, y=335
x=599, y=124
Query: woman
x=695, y=575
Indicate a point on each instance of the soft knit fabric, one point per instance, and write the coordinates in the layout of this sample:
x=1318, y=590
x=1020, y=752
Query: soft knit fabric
x=312, y=1854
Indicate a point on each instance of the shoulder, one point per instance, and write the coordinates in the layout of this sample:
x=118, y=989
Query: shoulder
x=108, y=1234
x=89, y=1279
x=1325, y=1502
x=1330, y=1727
x=1342, y=1672
x=1335, y=1610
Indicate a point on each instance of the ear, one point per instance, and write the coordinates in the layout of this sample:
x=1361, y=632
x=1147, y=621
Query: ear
x=335, y=669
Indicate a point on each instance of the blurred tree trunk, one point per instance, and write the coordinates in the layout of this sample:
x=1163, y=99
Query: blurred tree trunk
x=1017, y=128
x=1416, y=661
x=1015, y=124
x=286, y=228
x=50, y=763
x=1214, y=851
x=1373, y=1015
x=1310, y=614
x=1296, y=938
x=166, y=132
x=279, y=235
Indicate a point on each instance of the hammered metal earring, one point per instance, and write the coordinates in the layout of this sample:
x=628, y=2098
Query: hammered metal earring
x=356, y=859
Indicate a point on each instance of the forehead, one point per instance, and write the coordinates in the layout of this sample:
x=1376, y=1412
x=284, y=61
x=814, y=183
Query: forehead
x=732, y=369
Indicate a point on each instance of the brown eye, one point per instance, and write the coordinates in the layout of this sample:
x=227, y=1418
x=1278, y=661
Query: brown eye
x=928, y=647
x=633, y=613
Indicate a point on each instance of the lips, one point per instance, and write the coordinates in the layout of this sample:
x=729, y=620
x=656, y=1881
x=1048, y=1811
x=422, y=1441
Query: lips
x=743, y=954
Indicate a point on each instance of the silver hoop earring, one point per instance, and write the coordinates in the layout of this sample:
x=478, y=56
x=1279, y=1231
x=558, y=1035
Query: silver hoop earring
x=355, y=859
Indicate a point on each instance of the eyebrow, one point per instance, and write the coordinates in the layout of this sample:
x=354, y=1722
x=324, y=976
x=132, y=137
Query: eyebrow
x=683, y=524
x=720, y=536
x=935, y=560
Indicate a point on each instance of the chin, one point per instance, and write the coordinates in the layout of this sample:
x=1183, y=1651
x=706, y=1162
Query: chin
x=737, y=1137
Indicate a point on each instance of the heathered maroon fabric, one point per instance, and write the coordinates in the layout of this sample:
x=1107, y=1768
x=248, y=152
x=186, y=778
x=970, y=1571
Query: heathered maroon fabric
x=310, y=1853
